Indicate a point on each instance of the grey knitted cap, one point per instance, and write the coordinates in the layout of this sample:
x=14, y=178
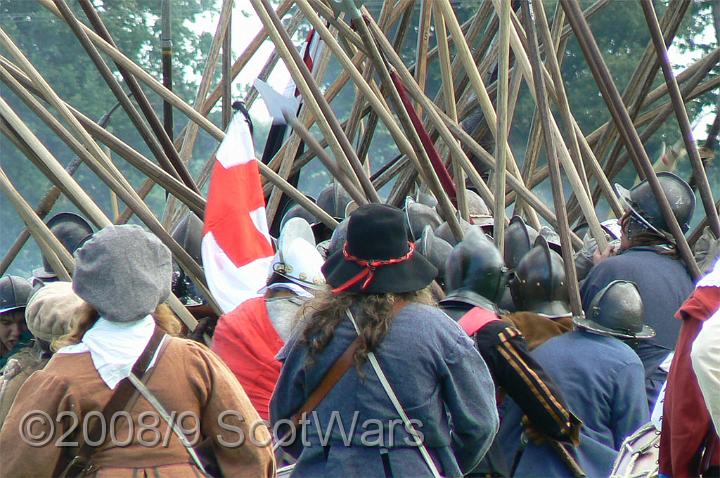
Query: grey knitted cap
x=123, y=272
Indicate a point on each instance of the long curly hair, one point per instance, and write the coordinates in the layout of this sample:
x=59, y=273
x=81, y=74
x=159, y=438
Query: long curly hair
x=164, y=319
x=374, y=314
x=640, y=236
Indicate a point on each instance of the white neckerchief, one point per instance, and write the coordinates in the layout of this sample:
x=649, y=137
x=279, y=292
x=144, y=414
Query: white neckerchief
x=115, y=347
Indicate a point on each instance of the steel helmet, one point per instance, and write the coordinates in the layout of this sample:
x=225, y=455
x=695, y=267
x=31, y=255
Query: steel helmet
x=337, y=240
x=72, y=231
x=552, y=238
x=14, y=293
x=419, y=215
x=434, y=249
x=644, y=207
x=426, y=197
x=519, y=238
x=476, y=265
x=296, y=210
x=188, y=233
x=539, y=283
x=297, y=258
x=478, y=211
x=334, y=200
x=617, y=310
x=445, y=233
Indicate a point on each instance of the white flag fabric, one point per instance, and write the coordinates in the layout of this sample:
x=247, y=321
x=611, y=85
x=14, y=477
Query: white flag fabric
x=236, y=246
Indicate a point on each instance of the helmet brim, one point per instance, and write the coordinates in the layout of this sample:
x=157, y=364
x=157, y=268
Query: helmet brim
x=647, y=332
x=628, y=204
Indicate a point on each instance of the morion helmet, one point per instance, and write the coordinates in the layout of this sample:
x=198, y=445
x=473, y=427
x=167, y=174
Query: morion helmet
x=617, y=310
x=188, y=233
x=644, y=207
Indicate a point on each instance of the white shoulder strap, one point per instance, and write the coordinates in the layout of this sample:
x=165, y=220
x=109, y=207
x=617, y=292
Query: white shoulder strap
x=398, y=407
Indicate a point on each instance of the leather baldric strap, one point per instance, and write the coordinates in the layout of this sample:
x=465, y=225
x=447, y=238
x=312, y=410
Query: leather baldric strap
x=331, y=378
x=118, y=401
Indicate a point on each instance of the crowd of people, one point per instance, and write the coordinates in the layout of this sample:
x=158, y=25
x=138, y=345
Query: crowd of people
x=384, y=348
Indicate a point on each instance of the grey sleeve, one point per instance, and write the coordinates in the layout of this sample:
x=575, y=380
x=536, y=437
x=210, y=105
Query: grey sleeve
x=469, y=395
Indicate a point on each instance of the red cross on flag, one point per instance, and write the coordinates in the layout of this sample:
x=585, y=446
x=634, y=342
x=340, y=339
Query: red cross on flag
x=236, y=247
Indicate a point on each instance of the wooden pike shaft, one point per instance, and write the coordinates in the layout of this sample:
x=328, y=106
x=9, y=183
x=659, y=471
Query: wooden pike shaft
x=242, y=60
x=159, y=129
x=226, y=79
x=273, y=203
x=621, y=117
x=572, y=174
x=314, y=98
x=191, y=129
x=451, y=107
x=432, y=112
x=426, y=169
x=73, y=190
x=471, y=70
x=423, y=42
x=85, y=204
x=60, y=260
x=331, y=166
x=145, y=77
x=565, y=113
x=682, y=117
x=375, y=103
x=554, y=165
x=117, y=90
x=42, y=210
x=204, y=123
x=501, y=135
x=20, y=85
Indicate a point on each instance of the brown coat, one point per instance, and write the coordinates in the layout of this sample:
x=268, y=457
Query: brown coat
x=187, y=378
x=538, y=329
x=16, y=371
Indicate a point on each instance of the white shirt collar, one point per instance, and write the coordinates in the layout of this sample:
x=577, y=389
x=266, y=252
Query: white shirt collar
x=115, y=347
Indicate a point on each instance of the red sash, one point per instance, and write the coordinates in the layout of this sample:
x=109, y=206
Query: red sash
x=247, y=342
x=476, y=319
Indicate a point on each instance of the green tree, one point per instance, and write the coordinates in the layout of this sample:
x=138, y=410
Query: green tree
x=56, y=53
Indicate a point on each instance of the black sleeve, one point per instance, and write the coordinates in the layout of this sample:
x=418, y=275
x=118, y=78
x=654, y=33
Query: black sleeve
x=523, y=379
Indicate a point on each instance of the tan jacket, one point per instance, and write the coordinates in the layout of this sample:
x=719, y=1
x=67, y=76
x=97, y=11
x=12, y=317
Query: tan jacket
x=187, y=379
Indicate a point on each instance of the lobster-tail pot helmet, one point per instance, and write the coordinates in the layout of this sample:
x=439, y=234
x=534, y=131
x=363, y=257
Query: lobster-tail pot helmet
x=476, y=265
x=188, y=233
x=435, y=250
x=418, y=216
x=445, y=233
x=539, y=283
x=334, y=200
x=519, y=238
x=14, y=293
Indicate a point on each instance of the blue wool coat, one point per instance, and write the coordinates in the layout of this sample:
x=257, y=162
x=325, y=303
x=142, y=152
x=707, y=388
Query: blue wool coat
x=602, y=381
x=436, y=374
x=664, y=285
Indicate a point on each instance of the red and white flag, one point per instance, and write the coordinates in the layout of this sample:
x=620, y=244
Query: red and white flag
x=236, y=246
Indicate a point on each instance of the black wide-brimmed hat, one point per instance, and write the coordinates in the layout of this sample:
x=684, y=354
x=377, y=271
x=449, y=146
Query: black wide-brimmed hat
x=377, y=257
